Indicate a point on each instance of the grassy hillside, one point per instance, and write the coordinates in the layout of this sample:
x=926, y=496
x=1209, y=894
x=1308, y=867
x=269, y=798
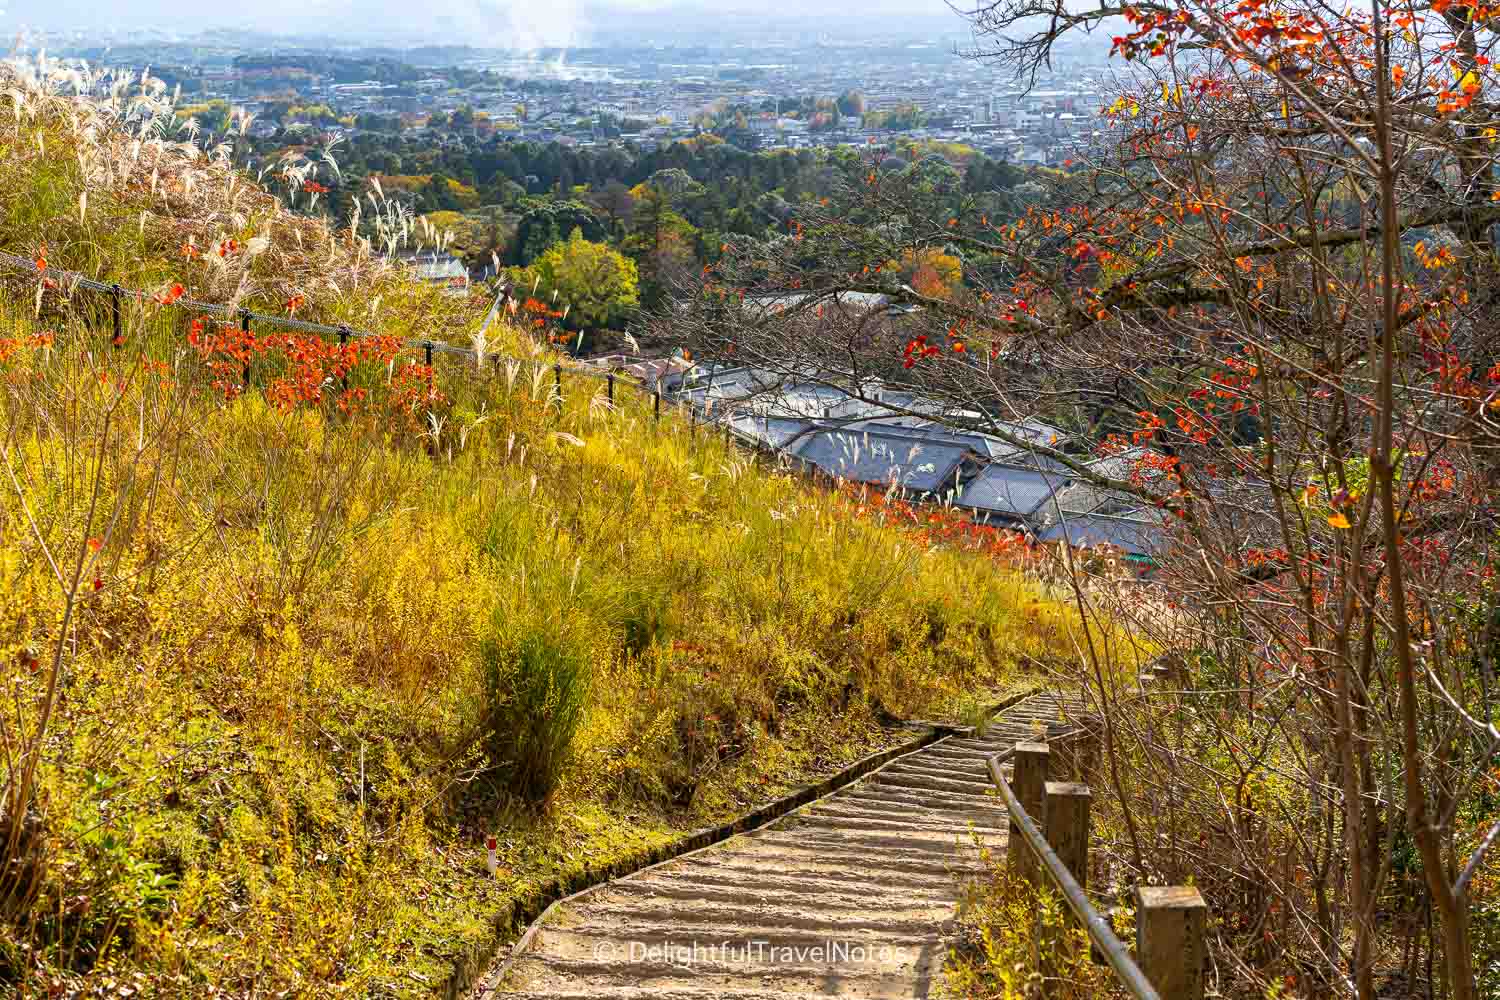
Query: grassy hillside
x=277, y=659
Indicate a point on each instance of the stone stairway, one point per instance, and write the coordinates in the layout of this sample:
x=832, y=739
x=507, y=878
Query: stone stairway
x=852, y=896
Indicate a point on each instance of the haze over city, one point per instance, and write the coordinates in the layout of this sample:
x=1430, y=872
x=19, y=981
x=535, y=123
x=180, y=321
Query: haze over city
x=512, y=24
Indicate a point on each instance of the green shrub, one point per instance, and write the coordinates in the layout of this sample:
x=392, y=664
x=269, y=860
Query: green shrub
x=538, y=691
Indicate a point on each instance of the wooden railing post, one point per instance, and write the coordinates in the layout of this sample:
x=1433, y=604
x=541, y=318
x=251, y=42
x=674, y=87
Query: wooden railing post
x=1169, y=926
x=1029, y=764
x=1171, y=668
x=1066, y=827
x=1057, y=843
x=1075, y=748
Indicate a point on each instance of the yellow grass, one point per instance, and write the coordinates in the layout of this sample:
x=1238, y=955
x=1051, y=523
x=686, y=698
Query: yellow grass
x=271, y=645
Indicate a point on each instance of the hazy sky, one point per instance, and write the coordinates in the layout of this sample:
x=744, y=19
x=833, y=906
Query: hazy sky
x=503, y=23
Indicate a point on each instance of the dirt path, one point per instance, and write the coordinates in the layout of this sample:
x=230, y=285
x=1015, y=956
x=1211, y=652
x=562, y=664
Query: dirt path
x=852, y=896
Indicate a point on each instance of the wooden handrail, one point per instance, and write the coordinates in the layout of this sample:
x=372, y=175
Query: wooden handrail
x=1110, y=946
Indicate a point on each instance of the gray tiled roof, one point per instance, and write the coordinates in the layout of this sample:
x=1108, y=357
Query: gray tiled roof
x=866, y=457
x=769, y=432
x=1007, y=490
x=921, y=451
x=1140, y=533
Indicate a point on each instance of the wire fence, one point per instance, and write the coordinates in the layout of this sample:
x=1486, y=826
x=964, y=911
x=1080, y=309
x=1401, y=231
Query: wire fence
x=175, y=314
x=118, y=294
x=168, y=326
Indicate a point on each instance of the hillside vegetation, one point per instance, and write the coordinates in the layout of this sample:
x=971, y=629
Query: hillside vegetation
x=278, y=657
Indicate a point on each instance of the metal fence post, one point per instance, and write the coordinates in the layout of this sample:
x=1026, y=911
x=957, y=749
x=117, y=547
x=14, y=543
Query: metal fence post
x=343, y=345
x=1169, y=924
x=610, y=383
x=428, y=348
x=557, y=385
x=118, y=335
x=245, y=328
x=1029, y=765
x=656, y=403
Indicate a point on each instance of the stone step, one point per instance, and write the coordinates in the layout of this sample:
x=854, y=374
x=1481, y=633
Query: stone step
x=853, y=896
